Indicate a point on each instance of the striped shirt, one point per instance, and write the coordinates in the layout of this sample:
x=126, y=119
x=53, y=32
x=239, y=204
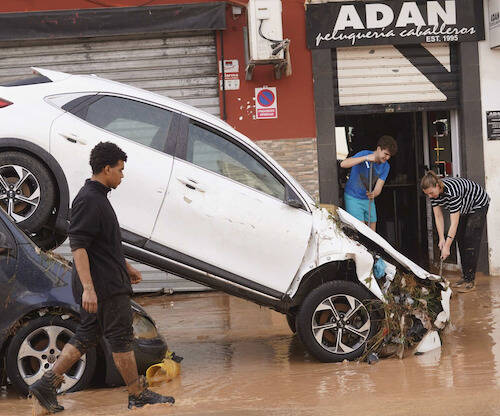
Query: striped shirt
x=461, y=195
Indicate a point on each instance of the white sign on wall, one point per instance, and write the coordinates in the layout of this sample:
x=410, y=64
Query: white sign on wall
x=494, y=23
x=231, y=74
x=266, y=105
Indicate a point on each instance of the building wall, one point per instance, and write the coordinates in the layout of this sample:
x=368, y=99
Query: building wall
x=294, y=93
x=298, y=156
x=489, y=62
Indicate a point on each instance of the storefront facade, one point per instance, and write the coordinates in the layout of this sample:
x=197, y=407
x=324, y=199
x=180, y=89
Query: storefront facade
x=489, y=62
x=385, y=70
x=409, y=70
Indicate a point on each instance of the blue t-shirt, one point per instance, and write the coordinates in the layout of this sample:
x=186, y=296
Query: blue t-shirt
x=358, y=183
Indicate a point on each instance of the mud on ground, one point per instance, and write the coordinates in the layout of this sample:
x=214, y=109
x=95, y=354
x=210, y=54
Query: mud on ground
x=240, y=359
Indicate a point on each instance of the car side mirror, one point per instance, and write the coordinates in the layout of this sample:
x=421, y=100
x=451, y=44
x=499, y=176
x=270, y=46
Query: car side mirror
x=292, y=199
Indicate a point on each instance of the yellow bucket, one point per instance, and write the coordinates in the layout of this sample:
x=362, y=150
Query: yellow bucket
x=165, y=371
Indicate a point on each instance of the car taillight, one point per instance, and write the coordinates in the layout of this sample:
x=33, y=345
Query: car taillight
x=4, y=103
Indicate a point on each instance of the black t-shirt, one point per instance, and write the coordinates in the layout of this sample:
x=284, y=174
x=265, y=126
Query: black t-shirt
x=94, y=227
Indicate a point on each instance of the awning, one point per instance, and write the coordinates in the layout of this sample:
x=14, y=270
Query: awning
x=61, y=24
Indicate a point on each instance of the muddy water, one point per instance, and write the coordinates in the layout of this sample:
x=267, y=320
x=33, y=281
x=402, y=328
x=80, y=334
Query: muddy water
x=242, y=360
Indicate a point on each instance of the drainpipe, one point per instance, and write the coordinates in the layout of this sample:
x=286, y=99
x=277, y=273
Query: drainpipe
x=224, y=115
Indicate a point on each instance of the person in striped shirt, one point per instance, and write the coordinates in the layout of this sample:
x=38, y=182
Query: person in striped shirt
x=468, y=204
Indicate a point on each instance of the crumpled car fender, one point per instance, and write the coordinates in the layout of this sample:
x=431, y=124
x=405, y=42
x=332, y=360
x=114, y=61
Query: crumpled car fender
x=327, y=244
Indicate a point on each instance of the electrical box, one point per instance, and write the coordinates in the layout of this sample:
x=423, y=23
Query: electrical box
x=265, y=30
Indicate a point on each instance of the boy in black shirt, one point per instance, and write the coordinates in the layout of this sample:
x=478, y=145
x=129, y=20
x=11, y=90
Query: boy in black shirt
x=101, y=284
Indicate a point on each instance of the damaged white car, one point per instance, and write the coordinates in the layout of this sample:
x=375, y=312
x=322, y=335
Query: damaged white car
x=202, y=201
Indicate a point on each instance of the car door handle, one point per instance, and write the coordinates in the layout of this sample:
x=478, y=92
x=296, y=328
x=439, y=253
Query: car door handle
x=191, y=184
x=73, y=138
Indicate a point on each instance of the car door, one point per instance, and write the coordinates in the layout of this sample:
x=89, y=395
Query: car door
x=140, y=129
x=224, y=206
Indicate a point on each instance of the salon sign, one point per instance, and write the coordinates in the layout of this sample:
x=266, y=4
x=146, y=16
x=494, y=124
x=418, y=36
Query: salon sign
x=390, y=22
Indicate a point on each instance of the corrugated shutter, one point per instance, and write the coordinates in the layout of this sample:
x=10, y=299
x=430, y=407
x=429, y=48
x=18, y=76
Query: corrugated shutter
x=382, y=75
x=153, y=280
x=181, y=67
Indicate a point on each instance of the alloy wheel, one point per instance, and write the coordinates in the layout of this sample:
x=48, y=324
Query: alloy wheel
x=341, y=324
x=40, y=350
x=19, y=192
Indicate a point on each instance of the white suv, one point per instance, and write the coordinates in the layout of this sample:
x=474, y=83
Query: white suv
x=199, y=200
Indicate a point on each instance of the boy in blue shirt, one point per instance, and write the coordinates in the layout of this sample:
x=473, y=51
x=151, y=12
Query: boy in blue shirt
x=357, y=195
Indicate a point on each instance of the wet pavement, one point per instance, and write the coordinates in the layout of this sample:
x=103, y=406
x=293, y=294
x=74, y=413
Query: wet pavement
x=240, y=359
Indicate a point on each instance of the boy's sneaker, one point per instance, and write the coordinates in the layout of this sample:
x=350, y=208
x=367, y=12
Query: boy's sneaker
x=467, y=287
x=459, y=283
x=148, y=397
x=45, y=391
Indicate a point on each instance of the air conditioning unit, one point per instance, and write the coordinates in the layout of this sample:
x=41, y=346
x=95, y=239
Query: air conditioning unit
x=265, y=29
x=265, y=36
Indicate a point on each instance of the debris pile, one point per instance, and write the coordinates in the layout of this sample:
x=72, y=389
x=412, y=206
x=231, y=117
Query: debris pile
x=412, y=309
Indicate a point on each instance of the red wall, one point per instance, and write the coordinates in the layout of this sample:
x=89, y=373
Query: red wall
x=294, y=93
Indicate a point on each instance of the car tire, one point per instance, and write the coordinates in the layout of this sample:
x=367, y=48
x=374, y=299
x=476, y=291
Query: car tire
x=48, y=239
x=38, y=190
x=34, y=348
x=337, y=307
x=290, y=319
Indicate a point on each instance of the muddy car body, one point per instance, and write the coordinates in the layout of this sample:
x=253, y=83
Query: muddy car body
x=199, y=200
x=38, y=315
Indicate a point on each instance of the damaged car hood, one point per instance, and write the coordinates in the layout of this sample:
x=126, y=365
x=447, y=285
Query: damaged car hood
x=362, y=228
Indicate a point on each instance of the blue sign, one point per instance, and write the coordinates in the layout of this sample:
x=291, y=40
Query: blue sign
x=266, y=98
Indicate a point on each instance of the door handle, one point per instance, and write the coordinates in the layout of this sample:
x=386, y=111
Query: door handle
x=73, y=138
x=191, y=184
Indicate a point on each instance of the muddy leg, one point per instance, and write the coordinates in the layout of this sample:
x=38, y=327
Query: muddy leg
x=69, y=356
x=126, y=365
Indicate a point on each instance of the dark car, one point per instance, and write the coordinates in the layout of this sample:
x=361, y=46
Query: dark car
x=38, y=315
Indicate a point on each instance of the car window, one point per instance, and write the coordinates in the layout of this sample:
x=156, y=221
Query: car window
x=137, y=121
x=217, y=154
x=72, y=102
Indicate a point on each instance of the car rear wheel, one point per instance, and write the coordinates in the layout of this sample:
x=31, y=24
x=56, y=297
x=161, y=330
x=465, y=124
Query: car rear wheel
x=336, y=320
x=27, y=190
x=36, y=346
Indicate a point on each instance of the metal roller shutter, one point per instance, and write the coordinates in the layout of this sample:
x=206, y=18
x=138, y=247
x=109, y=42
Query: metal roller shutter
x=153, y=280
x=399, y=75
x=181, y=67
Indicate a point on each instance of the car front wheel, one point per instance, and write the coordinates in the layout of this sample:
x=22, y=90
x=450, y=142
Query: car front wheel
x=336, y=320
x=36, y=346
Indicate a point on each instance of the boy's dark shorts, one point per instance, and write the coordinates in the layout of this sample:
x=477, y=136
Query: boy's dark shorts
x=113, y=320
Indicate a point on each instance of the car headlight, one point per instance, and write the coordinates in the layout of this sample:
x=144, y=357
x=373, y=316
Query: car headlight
x=143, y=327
